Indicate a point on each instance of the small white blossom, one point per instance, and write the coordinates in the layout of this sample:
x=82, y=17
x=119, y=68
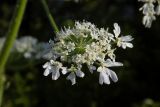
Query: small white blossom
x=105, y=72
x=48, y=68
x=150, y=9
x=122, y=41
x=78, y=58
x=91, y=68
x=72, y=78
x=147, y=20
x=74, y=73
x=29, y=47
x=54, y=68
x=70, y=46
x=103, y=76
x=26, y=45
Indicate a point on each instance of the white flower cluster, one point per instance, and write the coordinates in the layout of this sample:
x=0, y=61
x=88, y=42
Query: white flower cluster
x=150, y=9
x=29, y=47
x=85, y=45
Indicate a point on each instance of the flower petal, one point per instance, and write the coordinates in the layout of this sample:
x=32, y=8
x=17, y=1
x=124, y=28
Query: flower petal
x=103, y=78
x=116, y=30
x=46, y=72
x=109, y=63
x=64, y=70
x=126, y=38
x=130, y=45
x=72, y=78
x=91, y=68
x=124, y=45
x=113, y=75
x=55, y=74
x=106, y=79
x=80, y=73
x=47, y=64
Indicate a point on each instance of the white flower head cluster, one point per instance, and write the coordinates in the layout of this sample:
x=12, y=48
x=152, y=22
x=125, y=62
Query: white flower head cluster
x=26, y=45
x=29, y=47
x=150, y=9
x=85, y=45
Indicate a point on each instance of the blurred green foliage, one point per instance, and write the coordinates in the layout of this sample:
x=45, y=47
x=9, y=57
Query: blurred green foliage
x=148, y=103
x=138, y=79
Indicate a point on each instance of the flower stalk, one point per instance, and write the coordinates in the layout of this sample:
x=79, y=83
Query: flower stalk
x=50, y=17
x=11, y=36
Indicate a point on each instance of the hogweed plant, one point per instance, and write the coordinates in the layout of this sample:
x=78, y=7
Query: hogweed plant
x=86, y=45
x=150, y=9
x=73, y=49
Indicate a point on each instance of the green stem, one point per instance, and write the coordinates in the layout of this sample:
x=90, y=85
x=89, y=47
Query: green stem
x=51, y=19
x=11, y=36
x=2, y=79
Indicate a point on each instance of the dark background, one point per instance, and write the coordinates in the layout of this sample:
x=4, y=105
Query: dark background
x=138, y=84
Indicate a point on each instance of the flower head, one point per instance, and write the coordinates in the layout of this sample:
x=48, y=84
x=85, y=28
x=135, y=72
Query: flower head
x=86, y=45
x=150, y=10
x=26, y=45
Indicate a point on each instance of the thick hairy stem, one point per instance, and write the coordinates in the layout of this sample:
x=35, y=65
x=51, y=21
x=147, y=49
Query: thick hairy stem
x=11, y=36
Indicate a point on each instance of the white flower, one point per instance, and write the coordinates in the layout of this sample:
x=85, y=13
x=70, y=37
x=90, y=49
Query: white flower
x=73, y=74
x=78, y=58
x=72, y=78
x=54, y=68
x=64, y=70
x=30, y=48
x=105, y=73
x=150, y=9
x=91, y=68
x=48, y=68
x=87, y=45
x=147, y=20
x=70, y=46
x=147, y=8
x=26, y=45
x=122, y=41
